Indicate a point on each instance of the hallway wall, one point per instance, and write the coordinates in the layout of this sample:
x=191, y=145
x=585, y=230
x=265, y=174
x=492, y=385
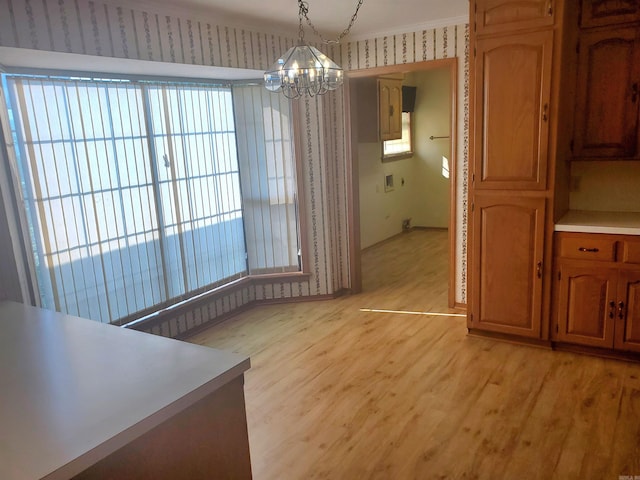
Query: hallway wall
x=432, y=118
x=420, y=192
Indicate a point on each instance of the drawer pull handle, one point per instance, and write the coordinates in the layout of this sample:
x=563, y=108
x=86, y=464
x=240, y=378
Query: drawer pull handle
x=591, y=250
x=621, y=310
x=612, y=307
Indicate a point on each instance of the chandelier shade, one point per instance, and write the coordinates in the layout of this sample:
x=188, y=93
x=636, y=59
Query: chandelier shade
x=303, y=70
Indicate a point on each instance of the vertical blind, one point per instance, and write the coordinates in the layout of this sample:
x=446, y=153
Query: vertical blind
x=267, y=173
x=138, y=195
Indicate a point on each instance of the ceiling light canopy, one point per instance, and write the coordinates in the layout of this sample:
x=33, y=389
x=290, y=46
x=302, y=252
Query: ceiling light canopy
x=303, y=69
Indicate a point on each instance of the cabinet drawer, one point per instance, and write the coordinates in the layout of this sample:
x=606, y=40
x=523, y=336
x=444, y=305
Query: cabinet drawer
x=588, y=248
x=631, y=251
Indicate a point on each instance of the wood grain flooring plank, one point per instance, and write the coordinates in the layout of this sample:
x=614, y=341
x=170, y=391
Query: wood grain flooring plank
x=339, y=393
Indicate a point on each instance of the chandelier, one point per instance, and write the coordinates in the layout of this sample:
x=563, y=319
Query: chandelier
x=303, y=69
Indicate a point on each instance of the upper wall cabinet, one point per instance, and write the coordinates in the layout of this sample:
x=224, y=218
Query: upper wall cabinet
x=596, y=13
x=498, y=16
x=390, y=104
x=512, y=90
x=606, y=113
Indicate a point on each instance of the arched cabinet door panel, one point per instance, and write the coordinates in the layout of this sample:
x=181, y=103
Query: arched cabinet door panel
x=512, y=104
x=507, y=263
x=608, y=96
x=587, y=305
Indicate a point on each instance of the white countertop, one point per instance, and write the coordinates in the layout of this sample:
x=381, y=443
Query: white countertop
x=619, y=223
x=72, y=391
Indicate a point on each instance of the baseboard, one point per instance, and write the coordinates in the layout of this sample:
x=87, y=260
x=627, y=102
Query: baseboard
x=597, y=352
x=532, y=342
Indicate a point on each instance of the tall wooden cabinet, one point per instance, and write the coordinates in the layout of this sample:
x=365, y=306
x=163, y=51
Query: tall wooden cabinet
x=552, y=81
x=513, y=56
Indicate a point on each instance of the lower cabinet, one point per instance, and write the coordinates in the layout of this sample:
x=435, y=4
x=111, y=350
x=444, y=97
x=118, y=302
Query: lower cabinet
x=598, y=291
x=627, y=332
x=507, y=264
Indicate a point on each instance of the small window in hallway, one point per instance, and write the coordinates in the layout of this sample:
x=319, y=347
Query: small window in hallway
x=401, y=147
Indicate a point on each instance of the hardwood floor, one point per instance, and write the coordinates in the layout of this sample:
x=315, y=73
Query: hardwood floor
x=339, y=393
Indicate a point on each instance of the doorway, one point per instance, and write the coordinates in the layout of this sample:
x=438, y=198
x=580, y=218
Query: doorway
x=416, y=190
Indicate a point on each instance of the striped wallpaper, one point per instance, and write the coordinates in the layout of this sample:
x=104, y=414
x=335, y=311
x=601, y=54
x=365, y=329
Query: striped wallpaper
x=106, y=28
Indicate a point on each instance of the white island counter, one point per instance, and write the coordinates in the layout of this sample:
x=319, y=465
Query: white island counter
x=79, y=397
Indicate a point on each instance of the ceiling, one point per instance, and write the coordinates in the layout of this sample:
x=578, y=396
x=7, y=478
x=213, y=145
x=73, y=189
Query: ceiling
x=331, y=17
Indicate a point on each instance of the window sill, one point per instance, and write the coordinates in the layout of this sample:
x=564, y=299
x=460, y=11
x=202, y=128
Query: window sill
x=210, y=296
x=397, y=156
x=278, y=277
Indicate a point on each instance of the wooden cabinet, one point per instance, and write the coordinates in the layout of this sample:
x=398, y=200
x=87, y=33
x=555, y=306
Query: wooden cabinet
x=390, y=105
x=507, y=264
x=513, y=43
x=598, y=295
x=498, y=16
x=606, y=115
x=596, y=13
x=586, y=305
x=512, y=90
x=628, y=315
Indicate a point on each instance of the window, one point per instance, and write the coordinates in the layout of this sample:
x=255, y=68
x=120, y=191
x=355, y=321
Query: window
x=142, y=194
x=401, y=147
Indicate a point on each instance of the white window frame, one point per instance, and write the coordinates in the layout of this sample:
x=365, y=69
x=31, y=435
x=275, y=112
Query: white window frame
x=402, y=147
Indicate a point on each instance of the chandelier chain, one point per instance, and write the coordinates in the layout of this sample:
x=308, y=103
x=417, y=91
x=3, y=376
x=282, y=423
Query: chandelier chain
x=304, y=12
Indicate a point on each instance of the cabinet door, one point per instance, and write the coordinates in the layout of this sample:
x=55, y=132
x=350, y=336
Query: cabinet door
x=507, y=262
x=586, y=305
x=512, y=118
x=390, y=109
x=628, y=313
x=606, y=117
x=497, y=16
x=596, y=13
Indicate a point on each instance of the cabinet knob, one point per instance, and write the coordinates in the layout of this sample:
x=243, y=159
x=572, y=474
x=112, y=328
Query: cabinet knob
x=539, y=269
x=612, y=308
x=590, y=250
x=550, y=8
x=545, y=115
x=620, y=310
